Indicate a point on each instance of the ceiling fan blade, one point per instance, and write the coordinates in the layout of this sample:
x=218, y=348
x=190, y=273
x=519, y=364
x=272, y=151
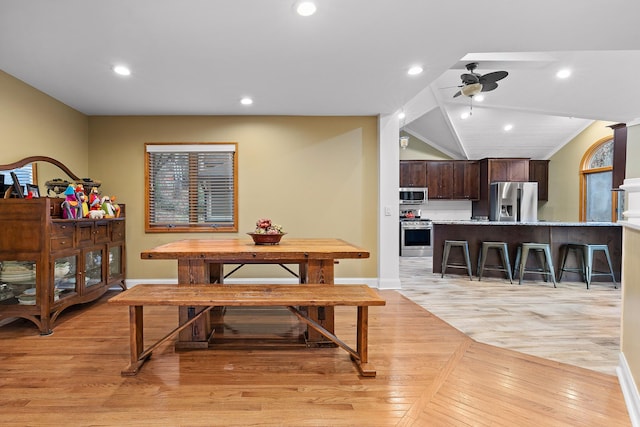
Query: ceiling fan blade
x=493, y=77
x=457, y=94
x=486, y=87
x=469, y=79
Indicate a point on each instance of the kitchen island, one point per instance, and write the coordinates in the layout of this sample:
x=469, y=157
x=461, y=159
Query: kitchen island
x=514, y=233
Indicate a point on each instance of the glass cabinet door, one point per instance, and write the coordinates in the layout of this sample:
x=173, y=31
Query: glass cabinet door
x=65, y=277
x=18, y=282
x=93, y=268
x=115, y=262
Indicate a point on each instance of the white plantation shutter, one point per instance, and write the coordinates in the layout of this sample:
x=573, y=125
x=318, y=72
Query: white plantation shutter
x=191, y=187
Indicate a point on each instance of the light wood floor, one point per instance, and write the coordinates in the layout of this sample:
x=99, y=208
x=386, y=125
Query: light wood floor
x=429, y=374
x=568, y=324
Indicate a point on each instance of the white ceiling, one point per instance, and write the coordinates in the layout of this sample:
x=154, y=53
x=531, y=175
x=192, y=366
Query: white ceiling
x=199, y=57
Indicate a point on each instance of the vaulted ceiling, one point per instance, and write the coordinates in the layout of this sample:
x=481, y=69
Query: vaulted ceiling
x=200, y=57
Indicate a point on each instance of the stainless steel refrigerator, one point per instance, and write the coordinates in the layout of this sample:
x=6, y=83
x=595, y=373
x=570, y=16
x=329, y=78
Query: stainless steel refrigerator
x=513, y=201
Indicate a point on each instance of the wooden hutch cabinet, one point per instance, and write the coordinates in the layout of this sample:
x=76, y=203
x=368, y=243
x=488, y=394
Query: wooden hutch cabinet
x=48, y=263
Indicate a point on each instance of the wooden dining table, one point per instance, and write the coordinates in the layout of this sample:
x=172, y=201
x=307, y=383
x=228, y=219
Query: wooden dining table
x=201, y=262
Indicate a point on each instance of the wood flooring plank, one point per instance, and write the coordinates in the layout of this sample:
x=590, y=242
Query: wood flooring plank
x=429, y=373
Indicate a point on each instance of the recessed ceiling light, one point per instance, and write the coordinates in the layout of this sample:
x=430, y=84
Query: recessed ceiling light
x=563, y=74
x=478, y=98
x=464, y=116
x=415, y=70
x=508, y=127
x=246, y=101
x=305, y=8
x=122, y=70
x=401, y=115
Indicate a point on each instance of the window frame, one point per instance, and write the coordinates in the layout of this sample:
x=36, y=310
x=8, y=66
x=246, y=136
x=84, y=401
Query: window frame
x=585, y=170
x=189, y=147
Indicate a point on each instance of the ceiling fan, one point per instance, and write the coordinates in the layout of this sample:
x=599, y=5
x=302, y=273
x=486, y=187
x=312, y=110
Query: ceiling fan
x=474, y=83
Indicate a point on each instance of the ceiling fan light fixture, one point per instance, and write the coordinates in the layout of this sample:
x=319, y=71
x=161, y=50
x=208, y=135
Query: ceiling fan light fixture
x=471, y=90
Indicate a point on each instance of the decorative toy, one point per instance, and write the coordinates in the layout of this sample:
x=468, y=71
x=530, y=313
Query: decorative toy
x=94, y=200
x=71, y=209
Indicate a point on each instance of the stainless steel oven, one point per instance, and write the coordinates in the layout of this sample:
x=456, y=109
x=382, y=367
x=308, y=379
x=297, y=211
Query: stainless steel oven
x=416, y=238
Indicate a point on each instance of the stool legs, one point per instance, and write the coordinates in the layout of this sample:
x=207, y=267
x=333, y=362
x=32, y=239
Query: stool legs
x=464, y=245
x=502, y=248
x=544, y=256
x=590, y=249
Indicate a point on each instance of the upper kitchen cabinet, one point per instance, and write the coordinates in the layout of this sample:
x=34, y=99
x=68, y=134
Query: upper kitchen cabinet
x=466, y=180
x=539, y=172
x=413, y=173
x=440, y=179
x=453, y=179
x=506, y=169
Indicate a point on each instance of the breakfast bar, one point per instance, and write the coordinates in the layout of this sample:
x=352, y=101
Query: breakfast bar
x=556, y=234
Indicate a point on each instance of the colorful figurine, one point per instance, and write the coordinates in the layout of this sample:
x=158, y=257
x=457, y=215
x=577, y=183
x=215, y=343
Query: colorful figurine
x=95, y=204
x=71, y=209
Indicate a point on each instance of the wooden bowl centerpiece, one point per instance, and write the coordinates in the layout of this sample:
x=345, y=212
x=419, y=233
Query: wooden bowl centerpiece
x=266, y=233
x=266, y=239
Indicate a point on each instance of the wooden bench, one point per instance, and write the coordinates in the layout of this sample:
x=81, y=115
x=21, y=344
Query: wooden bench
x=209, y=296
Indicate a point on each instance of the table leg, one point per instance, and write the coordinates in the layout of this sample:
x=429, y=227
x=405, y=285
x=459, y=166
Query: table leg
x=190, y=272
x=320, y=271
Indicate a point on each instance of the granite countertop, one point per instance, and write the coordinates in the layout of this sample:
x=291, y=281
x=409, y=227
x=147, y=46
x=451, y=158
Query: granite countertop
x=538, y=223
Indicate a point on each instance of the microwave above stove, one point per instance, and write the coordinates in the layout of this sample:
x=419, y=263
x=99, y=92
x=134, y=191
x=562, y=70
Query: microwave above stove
x=413, y=196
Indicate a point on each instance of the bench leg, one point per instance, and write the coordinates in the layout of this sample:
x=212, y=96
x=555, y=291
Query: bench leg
x=359, y=356
x=136, y=341
x=366, y=370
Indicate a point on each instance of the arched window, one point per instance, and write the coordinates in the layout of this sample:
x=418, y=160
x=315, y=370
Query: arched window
x=596, y=172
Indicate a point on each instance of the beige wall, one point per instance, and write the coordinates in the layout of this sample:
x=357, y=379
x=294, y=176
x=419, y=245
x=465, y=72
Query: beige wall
x=316, y=176
x=34, y=124
x=564, y=169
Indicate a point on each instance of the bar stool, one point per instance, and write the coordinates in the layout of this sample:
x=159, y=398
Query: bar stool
x=578, y=250
x=588, y=252
x=543, y=250
x=503, y=251
x=462, y=244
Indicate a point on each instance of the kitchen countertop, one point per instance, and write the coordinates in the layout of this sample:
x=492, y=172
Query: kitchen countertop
x=538, y=223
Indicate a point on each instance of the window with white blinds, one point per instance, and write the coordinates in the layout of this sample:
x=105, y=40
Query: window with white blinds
x=191, y=187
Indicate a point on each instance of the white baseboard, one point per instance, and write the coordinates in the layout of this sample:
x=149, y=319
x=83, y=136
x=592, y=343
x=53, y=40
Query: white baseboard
x=629, y=390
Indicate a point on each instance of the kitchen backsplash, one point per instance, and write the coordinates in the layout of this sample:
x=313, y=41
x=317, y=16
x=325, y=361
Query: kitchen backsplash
x=447, y=210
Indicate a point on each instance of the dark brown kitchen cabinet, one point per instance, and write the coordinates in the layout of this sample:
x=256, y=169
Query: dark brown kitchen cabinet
x=507, y=169
x=413, y=173
x=453, y=179
x=466, y=180
x=48, y=264
x=440, y=179
x=539, y=172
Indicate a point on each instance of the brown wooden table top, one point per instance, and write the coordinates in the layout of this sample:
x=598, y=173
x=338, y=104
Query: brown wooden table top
x=249, y=295
x=244, y=250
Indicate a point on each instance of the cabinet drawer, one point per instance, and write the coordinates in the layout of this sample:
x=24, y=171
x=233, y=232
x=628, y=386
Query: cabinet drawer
x=58, y=243
x=101, y=232
x=117, y=231
x=62, y=229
